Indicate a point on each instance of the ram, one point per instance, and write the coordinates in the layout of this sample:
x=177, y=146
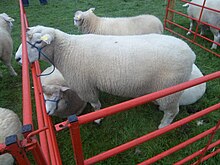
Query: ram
x=127, y=66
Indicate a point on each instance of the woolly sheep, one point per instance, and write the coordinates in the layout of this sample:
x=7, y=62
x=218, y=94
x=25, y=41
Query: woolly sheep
x=60, y=100
x=193, y=94
x=9, y=125
x=128, y=66
x=6, y=43
x=88, y=22
x=208, y=16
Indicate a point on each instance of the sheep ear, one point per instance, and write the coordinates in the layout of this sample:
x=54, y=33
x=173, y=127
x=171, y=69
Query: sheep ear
x=47, y=38
x=63, y=89
x=8, y=19
x=91, y=10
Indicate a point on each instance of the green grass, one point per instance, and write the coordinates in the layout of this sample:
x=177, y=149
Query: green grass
x=120, y=128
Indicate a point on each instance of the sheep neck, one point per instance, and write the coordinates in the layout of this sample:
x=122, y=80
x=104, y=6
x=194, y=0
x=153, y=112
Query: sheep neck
x=89, y=24
x=62, y=49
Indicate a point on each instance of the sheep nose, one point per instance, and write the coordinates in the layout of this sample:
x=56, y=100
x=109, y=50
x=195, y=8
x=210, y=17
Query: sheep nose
x=18, y=59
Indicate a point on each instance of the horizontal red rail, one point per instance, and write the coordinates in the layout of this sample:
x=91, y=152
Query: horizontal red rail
x=192, y=156
x=150, y=136
x=139, y=101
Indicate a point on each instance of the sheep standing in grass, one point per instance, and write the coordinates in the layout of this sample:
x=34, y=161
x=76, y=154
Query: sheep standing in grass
x=9, y=125
x=60, y=100
x=88, y=22
x=6, y=43
x=208, y=16
x=127, y=66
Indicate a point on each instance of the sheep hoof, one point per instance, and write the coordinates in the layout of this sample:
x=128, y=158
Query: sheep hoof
x=162, y=125
x=214, y=47
x=188, y=33
x=98, y=121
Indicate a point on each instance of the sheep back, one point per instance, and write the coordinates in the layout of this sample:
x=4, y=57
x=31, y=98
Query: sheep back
x=136, y=25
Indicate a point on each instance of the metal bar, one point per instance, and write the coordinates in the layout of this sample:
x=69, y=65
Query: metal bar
x=139, y=101
x=178, y=147
x=144, y=99
x=14, y=148
x=40, y=119
x=37, y=153
x=150, y=136
x=76, y=139
x=192, y=156
x=208, y=143
x=216, y=54
x=194, y=33
x=26, y=95
x=51, y=137
x=210, y=155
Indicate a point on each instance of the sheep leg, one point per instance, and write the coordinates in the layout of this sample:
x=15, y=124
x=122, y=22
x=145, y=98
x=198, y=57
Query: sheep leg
x=202, y=30
x=216, y=37
x=97, y=106
x=190, y=27
x=169, y=115
x=11, y=70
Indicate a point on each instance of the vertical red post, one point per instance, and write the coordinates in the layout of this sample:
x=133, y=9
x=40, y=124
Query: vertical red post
x=13, y=147
x=76, y=139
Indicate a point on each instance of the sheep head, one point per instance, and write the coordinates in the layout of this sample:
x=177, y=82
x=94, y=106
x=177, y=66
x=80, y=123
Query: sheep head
x=54, y=96
x=37, y=38
x=81, y=15
x=4, y=18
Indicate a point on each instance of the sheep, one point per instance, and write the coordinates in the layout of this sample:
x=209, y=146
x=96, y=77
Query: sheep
x=9, y=125
x=127, y=66
x=60, y=100
x=193, y=94
x=88, y=22
x=208, y=16
x=6, y=43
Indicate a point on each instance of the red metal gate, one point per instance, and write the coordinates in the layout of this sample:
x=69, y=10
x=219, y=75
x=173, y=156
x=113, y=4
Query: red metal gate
x=45, y=151
x=175, y=27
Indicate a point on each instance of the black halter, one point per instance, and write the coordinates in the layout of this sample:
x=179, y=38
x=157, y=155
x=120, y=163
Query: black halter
x=41, y=53
x=55, y=101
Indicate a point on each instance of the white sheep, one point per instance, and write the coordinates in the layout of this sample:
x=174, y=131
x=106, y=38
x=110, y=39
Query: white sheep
x=6, y=43
x=9, y=125
x=88, y=22
x=208, y=16
x=60, y=100
x=128, y=66
x=193, y=94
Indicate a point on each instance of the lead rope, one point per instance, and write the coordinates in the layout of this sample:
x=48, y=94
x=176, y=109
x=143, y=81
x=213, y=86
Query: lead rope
x=41, y=53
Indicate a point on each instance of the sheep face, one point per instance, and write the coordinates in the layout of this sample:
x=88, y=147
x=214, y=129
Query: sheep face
x=36, y=41
x=54, y=99
x=4, y=18
x=80, y=16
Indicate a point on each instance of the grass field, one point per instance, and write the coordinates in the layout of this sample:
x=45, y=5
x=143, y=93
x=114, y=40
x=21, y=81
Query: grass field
x=125, y=126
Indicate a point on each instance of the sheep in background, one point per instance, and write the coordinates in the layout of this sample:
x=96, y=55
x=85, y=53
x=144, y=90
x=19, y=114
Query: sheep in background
x=9, y=125
x=88, y=22
x=127, y=66
x=208, y=16
x=193, y=94
x=6, y=43
x=60, y=100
